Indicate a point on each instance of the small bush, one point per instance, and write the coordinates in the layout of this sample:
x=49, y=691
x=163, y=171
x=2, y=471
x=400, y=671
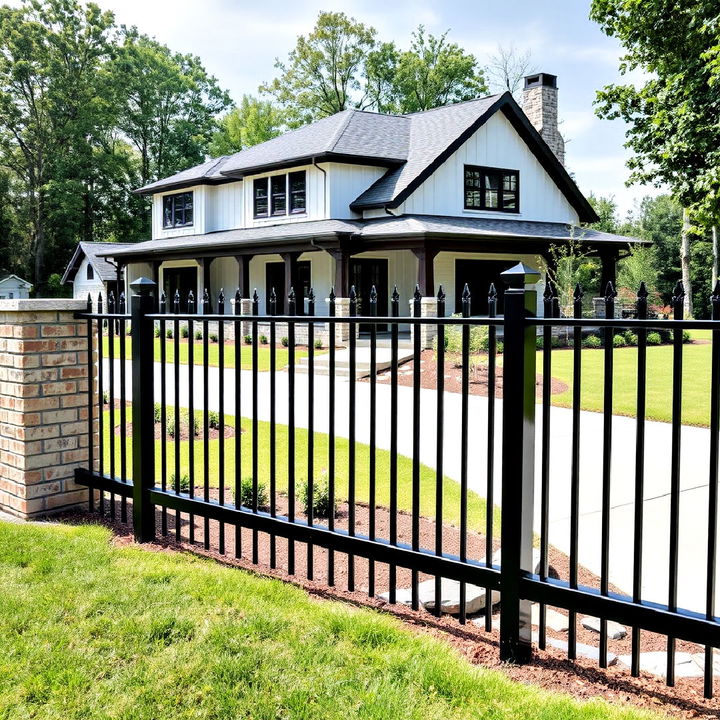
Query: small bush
x=263, y=340
x=318, y=344
x=591, y=341
x=198, y=334
x=129, y=330
x=246, y=493
x=184, y=331
x=213, y=337
x=106, y=397
x=500, y=347
x=169, y=334
x=157, y=331
x=248, y=339
x=213, y=419
x=654, y=338
x=686, y=337
x=284, y=341
x=184, y=482
x=630, y=338
x=321, y=498
x=539, y=344
x=619, y=341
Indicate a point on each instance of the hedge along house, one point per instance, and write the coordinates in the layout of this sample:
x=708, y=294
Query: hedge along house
x=449, y=196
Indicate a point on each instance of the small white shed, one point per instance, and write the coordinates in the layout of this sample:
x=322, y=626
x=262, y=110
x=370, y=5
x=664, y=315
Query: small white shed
x=13, y=287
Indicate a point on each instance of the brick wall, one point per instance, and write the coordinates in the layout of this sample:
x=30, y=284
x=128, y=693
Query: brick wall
x=44, y=432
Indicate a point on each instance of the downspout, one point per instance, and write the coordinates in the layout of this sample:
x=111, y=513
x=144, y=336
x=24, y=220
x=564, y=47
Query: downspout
x=324, y=172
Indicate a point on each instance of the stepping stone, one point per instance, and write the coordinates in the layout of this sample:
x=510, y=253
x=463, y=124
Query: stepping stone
x=449, y=596
x=552, y=572
x=553, y=619
x=655, y=663
x=615, y=631
x=582, y=650
x=699, y=659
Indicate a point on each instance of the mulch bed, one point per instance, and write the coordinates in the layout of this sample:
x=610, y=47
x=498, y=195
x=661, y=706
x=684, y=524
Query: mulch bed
x=452, y=375
x=549, y=669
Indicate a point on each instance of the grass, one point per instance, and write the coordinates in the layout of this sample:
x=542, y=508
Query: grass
x=213, y=353
x=90, y=630
x=477, y=506
x=696, y=380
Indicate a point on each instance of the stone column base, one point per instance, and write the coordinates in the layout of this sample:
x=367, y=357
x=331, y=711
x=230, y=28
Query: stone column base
x=428, y=333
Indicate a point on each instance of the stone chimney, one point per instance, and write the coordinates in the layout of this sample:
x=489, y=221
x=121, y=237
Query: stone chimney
x=540, y=106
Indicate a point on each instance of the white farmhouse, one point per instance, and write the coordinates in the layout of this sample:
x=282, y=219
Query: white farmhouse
x=13, y=287
x=93, y=275
x=449, y=196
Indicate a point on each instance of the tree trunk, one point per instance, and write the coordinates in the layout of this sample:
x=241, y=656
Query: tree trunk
x=685, y=262
x=715, y=256
x=39, y=231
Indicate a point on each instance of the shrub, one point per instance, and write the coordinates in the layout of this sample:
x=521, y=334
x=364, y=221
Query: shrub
x=157, y=331
x=198, y=334
x=184, y=331
x=686, y=337
x=500, y=347
x=106, y=397
x=321, y=497
x=248, y=339
x=184, y=482
x=284, y=342
x=169, y=333
x=539, y=342
x=591, y=341
x=619, y=341
x=129, y=330
x=213, y=337
x=246, y=493
x=318, y=344
x=654, y=338
x=263, y=340
x=213, y=419
x=630, y=338
x=478, y=340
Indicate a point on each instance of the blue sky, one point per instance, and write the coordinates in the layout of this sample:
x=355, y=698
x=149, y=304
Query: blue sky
x=238, y=40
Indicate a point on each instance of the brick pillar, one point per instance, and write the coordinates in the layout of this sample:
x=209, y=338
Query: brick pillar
x=245, y=310
x=43, y=406
x=428, y=308
x=342, y=330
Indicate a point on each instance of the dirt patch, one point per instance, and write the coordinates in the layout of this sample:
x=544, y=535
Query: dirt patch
x=549, y=669
x=478, y=381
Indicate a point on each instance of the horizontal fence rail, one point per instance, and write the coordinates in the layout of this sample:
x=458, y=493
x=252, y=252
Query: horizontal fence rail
x=302, y=442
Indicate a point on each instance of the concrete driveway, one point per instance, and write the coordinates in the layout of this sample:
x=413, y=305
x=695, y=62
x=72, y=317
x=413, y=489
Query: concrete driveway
x=694, y=468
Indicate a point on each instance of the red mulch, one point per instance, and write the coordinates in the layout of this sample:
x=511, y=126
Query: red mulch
x=452, y=375
x=549, y=669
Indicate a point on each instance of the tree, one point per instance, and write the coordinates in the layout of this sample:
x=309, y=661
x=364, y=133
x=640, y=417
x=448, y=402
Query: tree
x=435, y=72
x=328, y=70
x=507, y=69
x=170, y=104
x=606, y=209
x=252, y=122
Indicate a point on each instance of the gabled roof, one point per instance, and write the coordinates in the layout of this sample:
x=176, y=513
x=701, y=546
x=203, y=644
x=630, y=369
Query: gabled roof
x=436, y=134
x=11, y=276
x=411, y=146
x=96, y=253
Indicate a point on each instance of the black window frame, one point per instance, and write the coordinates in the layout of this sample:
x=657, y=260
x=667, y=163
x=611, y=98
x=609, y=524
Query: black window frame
x=178, y=202
x=502, y=175
x=277, y=202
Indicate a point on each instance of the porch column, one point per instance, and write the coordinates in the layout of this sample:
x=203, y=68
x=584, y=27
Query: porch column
x=608, y=270
x=291, y=279
x=119, y=277
x=342, y=271
x=425, y=269
x=243, y=262
x=205, y=264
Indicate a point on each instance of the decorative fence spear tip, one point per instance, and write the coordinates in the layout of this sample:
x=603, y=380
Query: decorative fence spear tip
x=417, y=295
x=642, y=292
x=441, y=294
x=395, y=295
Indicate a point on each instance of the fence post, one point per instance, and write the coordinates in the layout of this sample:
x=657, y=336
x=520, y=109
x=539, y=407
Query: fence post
x=143, y=420
x=518, y=462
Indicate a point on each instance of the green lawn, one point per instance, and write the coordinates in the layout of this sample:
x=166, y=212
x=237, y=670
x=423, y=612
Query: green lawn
x=451, y=489
x=93, y=631
x=213, y=353
x=696, y=380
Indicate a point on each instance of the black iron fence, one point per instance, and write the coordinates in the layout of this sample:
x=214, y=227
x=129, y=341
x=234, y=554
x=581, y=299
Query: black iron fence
x=247, y=479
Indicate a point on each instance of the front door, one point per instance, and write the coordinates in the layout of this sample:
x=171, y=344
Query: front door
x=364, y=273
x=275, y=279
x=182, y=280
x=479, y=274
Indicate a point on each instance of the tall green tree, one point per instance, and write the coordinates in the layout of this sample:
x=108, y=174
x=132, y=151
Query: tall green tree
x=250, y=123
x=170, y=104
x=435, y=72
x=52, y=109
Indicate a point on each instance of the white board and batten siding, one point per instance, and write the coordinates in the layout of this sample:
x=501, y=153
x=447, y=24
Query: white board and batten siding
x=345, y=183
x=224, y=206
x=198, y=225
x=495, y=144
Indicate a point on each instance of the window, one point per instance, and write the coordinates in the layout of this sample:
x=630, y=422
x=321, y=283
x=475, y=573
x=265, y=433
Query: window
x=491, y=189
x=279, y=195
x=178, y=210
x=90, y=274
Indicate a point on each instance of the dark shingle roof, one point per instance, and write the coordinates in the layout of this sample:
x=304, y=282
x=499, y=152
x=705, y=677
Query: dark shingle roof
x=97, y=254
x=226, y=241
x=207, y=171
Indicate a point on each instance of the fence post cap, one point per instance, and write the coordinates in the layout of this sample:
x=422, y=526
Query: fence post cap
x=143, y=286
x=520, y=275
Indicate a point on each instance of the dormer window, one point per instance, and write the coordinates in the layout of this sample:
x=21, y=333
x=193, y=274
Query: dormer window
x=178, y=210
x=280, y=195
x=492, y=189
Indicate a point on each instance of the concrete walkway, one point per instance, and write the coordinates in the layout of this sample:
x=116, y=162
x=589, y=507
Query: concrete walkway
x=694, y=468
